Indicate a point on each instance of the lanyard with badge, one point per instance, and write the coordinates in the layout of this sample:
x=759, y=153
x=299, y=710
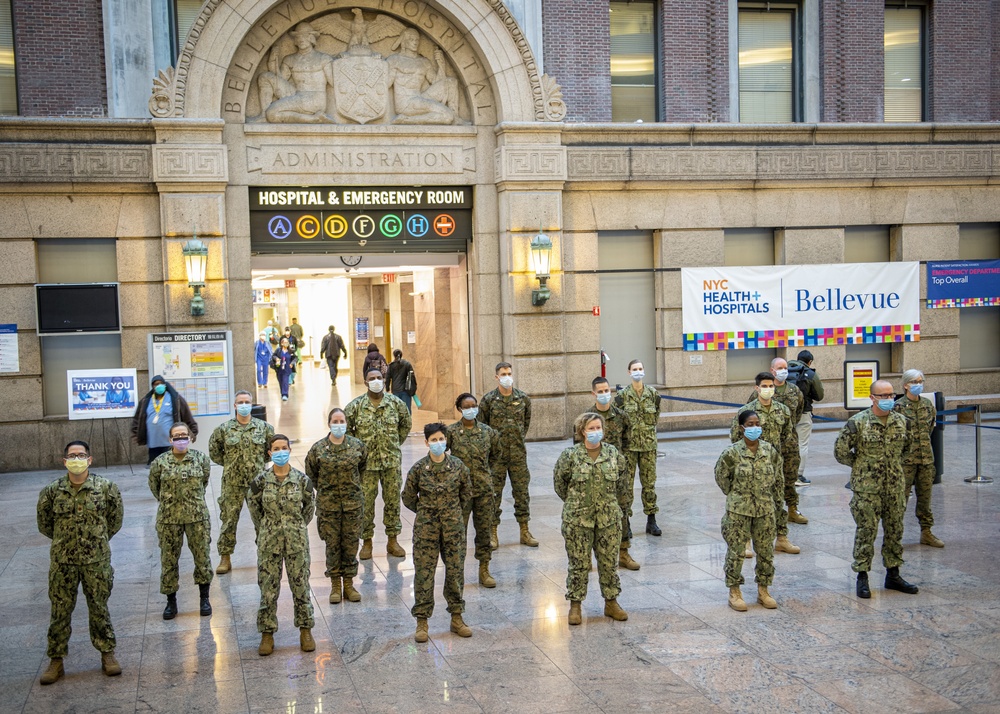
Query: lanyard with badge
x=157, y=405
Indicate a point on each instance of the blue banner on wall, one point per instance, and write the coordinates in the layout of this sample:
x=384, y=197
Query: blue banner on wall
x=963, y=283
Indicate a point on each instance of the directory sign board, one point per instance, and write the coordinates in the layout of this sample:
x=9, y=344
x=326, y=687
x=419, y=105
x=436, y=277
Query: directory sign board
x=199, y=366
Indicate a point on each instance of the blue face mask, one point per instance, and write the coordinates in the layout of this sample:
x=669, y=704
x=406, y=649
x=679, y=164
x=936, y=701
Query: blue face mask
x=886, y=405
x=916, y=389
x=280, y=458
x=438, y=447
x=604, y=398
x=752, y=432
x=160, y=389
x=244, y=409
x=638, y=375
x=594, y=437
x=470, y=413
x=338, y=430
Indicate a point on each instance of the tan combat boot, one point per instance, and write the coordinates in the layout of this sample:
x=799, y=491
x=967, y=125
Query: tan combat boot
x=795, y=517
x=485, y=579
x=494, y=539
x=366, y=550
x=613, y=610
x=53, y=672
x=526, y=537
x=625, y=560
x=459, y=627
x=748, y=553
x=109, y=664
x=266, y=644
x=350, y=593
x=421, y=634
x=783, y=545
x=736, y=599
x=765, y=599
x=306, y=641
x=928, y=538
x=575, y=616
x=224, y=565
x=393, y=548
x=335, y=590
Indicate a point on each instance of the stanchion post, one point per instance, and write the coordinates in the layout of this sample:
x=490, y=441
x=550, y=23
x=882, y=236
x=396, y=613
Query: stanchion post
x=979, y=478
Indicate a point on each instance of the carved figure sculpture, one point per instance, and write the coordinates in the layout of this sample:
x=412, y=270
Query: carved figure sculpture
x=422, y=90
x=294, y=90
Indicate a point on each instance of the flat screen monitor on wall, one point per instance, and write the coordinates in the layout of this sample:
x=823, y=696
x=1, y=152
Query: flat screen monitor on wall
x=77, y=308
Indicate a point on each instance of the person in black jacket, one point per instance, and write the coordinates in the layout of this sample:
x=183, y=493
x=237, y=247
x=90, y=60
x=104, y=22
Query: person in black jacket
x=161, y=408
x=400, y=380
x=374, y=360
x=332, y=348
x=803, y=376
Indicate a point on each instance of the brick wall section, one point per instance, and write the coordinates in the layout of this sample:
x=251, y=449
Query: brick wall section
x=852, y=68
x=961, y=34
x=695, y=77
x=577, y=38
x=59, y=46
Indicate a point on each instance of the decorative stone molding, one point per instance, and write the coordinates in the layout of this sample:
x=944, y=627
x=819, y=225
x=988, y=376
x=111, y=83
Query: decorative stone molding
x=163, y=103
x=77, y=163
x=186, y=164
x=554, y=108
x=519, y=163
x=594, y=164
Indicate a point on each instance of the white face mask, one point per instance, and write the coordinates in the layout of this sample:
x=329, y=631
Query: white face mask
x=506, y=381
x=376, y=385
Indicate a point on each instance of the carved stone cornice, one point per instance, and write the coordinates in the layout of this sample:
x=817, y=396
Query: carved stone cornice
x=177, y=163
x=53, y=163
x=530, y=163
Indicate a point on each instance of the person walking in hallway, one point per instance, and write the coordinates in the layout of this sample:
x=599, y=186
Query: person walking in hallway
x=283, y=363
x=400, y=379
x=293, y=348
x=918, y=458
x=641, y=405
x=332, y=347
x=374, y=360
x=262, y=358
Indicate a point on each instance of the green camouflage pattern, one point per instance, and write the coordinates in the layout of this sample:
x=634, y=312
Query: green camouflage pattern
x=477, y=447
x=241, y=450
x=391, y=482
x=920, y=415
x=642, y=412
x=737, y=530
x=778, y=430
x=381, y=426
x=594, y=495
x=482, y=510
x=510, y=417
x=440, y=495
x=789, y=395
x=64, y=581
x=179, y=486
x=615, y=426
x=199, y=539
x=920, y=477
x=335, y=470
x=80, y=523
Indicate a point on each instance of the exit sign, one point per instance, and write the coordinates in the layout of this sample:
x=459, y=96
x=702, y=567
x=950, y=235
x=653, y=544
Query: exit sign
x=388, y=278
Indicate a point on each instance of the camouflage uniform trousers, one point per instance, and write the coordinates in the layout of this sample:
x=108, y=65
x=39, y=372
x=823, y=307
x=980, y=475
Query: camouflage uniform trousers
x=868, y=509
x=790, y=472
x=199, y=538
x=430, y=540
x=516, y=466
x=737, y=529
x=340, y=529
x=234, y=494
x=605, y=542
x=64, y=580
x=269, y=579
x=482, y=512
x=392, y=484
x=921, y=476
x=646, y=461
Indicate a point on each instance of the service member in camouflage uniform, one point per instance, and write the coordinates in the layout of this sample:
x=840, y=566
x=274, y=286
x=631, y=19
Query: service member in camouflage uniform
x=749, y=473
x=240, y=447
x=281, y=503
x=382, y=422
x=508, y=411
x=918, y=459
x=335, y=464
x=872, y=443
x=641, y=404
x=80, y=512
x=476, y=445
x=178, y=480
x=439, y=491
x=591, y=480
x=779, y=432
x=791, y=396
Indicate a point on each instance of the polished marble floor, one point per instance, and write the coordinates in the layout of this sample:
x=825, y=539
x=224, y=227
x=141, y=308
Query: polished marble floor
x=682, y=648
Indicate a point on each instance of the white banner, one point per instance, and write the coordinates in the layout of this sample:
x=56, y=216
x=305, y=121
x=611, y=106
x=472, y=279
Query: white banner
x=800, y=305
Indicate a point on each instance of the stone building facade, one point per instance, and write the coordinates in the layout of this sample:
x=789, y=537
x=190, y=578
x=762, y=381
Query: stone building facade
x=234, y=112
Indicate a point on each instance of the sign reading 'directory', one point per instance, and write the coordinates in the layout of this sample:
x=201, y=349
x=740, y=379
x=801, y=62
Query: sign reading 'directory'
x=800, y=305
x=355, y=220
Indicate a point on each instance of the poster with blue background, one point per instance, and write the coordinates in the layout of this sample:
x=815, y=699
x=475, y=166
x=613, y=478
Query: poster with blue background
x=101, y=393
x=963, y=283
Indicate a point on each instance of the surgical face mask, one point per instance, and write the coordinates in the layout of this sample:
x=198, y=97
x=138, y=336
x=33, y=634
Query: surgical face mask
x=438, y=447
x=604, y=398
x=338, y=430
x=181, y=444
x=638, y=375
x=781, y=374
x=244, y=409
x=766, y=393
x=916, y=389
x=376, y=386
x=752, y=432
x=76, y=465
x=470, y=413
x=280, y=458
x=507, y=381
x=886, y=405
x=594, y=437
x=160, y=389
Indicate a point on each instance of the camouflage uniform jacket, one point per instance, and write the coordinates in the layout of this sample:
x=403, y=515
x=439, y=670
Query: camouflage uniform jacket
x=438, y=492
x=179, y=486
x=873, y=451
x=510, y=416
x=80, y=524
x=477, y=448
x=335, y=471
x=641, y=414
x=281, y=511
x=791, y=396
x=594, y=493
x=776, y=424
x=920, y=415
x=381, y=427
x=615, y=427
x=751, y=481
x=240, y=449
